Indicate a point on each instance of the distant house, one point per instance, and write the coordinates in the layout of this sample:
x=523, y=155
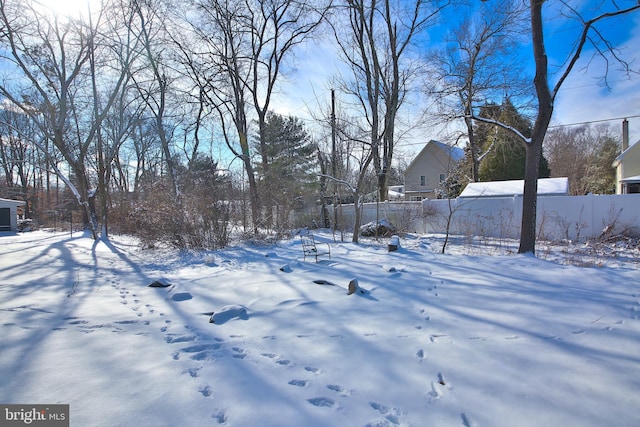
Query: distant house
x=430, y=168
x=546, y=187
x=627, y=166
x=9, y=214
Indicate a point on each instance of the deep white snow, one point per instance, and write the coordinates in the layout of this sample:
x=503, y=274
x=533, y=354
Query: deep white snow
x=434, y=340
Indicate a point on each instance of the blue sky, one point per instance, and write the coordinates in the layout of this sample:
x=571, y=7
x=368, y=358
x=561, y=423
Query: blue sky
x=582, y=98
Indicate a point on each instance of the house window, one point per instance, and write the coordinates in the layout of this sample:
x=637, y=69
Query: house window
x=423, y=181
x=442, y=178
x=416, y=198
x=633, y=188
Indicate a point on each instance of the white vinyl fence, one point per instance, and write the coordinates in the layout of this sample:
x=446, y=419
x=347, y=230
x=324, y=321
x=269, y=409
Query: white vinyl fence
x=559, y=217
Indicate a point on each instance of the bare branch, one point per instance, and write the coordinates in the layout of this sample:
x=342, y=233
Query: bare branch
x=587, y=26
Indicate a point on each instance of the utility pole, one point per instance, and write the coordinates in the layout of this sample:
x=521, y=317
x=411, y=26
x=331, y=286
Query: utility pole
x=333, y=159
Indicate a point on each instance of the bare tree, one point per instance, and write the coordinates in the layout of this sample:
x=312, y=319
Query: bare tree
x=376, y=44
x=478, y=64
x=55, y=67
x=584, y=154
x=547, y=86
x=222, y=28
x=247, y=42
x=154, y=86
x=114, y=49
x=50, y=57
x=16, y=156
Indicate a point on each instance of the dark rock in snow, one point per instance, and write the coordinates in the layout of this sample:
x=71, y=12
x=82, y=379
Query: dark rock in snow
x=159, y=284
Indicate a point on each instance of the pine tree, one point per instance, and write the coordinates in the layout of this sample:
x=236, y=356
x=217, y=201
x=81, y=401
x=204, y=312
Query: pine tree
x=504, y=157
x=290, y=180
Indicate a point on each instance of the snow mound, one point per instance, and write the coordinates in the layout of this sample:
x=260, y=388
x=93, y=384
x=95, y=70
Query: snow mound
x=229, y=312
x=181, y=296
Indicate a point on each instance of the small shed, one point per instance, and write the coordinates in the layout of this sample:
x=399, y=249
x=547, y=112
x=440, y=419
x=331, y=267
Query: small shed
x=9, y=214
x=546, y=187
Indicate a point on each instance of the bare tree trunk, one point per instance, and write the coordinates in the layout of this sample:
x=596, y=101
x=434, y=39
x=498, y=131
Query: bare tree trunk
x=254, y=196
x=534, y=146
x=546, y=98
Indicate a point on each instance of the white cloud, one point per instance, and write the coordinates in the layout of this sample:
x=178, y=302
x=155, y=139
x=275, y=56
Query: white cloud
x=584, y=98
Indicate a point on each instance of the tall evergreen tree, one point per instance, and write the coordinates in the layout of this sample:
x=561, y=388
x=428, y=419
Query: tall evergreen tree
x=292, y=159
x=504, y=154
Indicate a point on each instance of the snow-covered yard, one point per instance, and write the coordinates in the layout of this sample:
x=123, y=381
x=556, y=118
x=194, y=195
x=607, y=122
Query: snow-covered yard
x=436, y=340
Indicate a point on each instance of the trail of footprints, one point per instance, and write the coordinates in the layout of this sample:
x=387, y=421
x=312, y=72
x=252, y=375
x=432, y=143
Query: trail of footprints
x=307, y=375
x=438, y=387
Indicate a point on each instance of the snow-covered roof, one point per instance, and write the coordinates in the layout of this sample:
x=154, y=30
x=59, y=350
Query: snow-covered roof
x=456, y=153
x=546, y=187
x=631, y=179
x=14, y=202
x=622, y=155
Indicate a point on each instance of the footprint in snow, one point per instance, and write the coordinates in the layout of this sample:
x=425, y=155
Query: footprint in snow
x=322, y=402
x=299, y=383
x=436, y=337
x=339, y=389
x=391, y=415
x=239, y=353
x=172, y=339
x=466, y=421
x=199, y=351
x=220, y=417
x=438, y=387
x=205, y=391
x=193, y=372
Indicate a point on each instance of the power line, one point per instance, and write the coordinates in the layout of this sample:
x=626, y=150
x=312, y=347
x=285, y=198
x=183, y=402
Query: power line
x=595, y=121
x=407, y=144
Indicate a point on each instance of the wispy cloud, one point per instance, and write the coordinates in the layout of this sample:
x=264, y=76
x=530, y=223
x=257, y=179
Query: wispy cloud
x=585, y=97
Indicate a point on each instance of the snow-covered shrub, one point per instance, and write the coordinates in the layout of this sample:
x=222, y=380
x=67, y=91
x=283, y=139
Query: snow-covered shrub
x=384, y=228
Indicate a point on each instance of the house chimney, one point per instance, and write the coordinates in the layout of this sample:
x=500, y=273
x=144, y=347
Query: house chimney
x=625, y=134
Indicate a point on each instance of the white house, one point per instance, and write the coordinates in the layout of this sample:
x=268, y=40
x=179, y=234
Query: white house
x=9, y=214
x=627, y=166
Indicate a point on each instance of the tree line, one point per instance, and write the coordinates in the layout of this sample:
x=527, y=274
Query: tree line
x=157, y=116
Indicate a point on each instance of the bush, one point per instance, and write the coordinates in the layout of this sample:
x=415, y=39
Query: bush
x=384, y=228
